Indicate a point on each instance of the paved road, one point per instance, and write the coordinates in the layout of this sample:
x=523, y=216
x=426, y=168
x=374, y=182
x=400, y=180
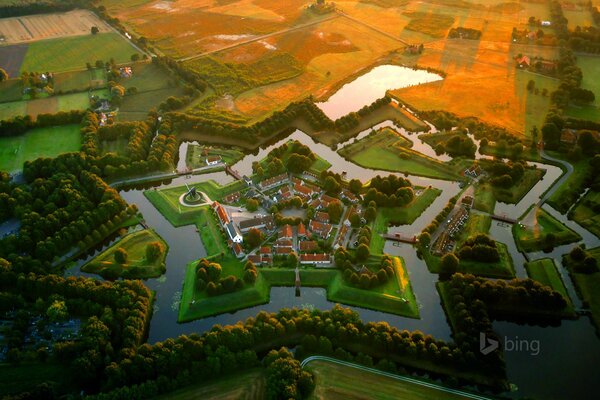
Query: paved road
x=406, y=379
x=258, y=38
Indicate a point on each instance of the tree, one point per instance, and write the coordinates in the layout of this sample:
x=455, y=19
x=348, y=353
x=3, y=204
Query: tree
x=449, y=264
x=57, y=311
x=335, y=210
x=370, y=213
x=95, y=30
x=577, y=254
x=153, y=251
x=292, y=259
x=551, y=135
x=355, y=186
x=331, y=186
x=252, y=205
x=362, y=252
x=120, y=256
x=3, y=75
x=530, y=85
x=135, y=57
x=425, y=238
x=254, y=238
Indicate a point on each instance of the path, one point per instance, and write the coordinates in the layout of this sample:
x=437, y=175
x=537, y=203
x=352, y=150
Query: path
x=341, y=13
x=257, y=39
x=166, y=175
x=401, y=378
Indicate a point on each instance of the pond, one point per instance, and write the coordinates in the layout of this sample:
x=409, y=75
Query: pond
x=371, y=86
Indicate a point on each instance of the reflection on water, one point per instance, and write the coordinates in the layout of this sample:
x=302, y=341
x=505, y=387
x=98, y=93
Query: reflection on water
x=371, y=86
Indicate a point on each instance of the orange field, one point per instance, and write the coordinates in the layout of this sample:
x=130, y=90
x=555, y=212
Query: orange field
x=48, y=26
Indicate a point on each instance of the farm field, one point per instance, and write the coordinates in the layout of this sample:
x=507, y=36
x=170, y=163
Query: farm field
x=72, y=53
x=41, y=142
x=137, y=265
x=337, y=382
x=247, y=385
x=49, y=105
x=588, y=285
x=590, y=67
x=31, y=28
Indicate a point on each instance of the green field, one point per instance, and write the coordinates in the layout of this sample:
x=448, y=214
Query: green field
x=588, y=285
x=247, y=385
x=338, y=382
x=389, y=151
x=590, y=67
x=533, y=238
x=40, y=142
x=72, y=53
x=544, y=271
x=195, y=157
x=79, y=80
x=137, y=266
x=584, y=213
x=399, y=216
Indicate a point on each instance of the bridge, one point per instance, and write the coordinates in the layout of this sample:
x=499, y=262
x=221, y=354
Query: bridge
x=504, y=218
x=233, y=173
x=399, y=238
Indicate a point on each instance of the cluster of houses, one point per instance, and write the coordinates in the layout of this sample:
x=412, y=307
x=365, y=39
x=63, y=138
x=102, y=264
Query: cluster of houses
x=298, y=239
x=445, y=242
x=544, y=66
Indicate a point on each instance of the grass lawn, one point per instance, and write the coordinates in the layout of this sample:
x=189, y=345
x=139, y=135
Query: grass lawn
x=69, y=53
x=530, y=239
x=40, y=142
x=399, y=216
x=588, y=285
x=584, y=213
x=502, y=269
x=590, y=67
x=338, y=382
x=11, y=90
x=566, y=195
x=544, y=271
x=246, y=385
x=137, y=266
x=388, y=150
x=13, y=109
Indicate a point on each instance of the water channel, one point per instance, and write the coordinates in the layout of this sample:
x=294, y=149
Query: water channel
x=566, y=366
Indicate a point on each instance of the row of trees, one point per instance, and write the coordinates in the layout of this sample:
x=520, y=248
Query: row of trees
x=19, y=125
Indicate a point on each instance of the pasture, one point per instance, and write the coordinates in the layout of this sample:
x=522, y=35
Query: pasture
x=590, y=67
x=41, y=142
x=247, y=385
x=586, y=212
x=72, y=53
x=337, y=382
x=31, y=28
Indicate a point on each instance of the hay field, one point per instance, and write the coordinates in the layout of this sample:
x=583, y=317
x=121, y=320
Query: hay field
x=482, y=81
x=189, y=27
x=31, y=28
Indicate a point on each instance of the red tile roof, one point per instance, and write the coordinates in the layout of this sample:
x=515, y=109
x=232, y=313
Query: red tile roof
x=315, y=257
x=301, y=229
x=308, y=245
x=286, y=232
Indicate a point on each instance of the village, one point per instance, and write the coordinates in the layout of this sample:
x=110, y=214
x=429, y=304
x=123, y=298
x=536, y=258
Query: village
x=313, y=241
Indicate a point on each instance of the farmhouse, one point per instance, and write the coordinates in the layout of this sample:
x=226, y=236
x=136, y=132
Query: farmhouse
x=232, y=198
x=323, y=258
x=213, y=160
x=523, y=62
